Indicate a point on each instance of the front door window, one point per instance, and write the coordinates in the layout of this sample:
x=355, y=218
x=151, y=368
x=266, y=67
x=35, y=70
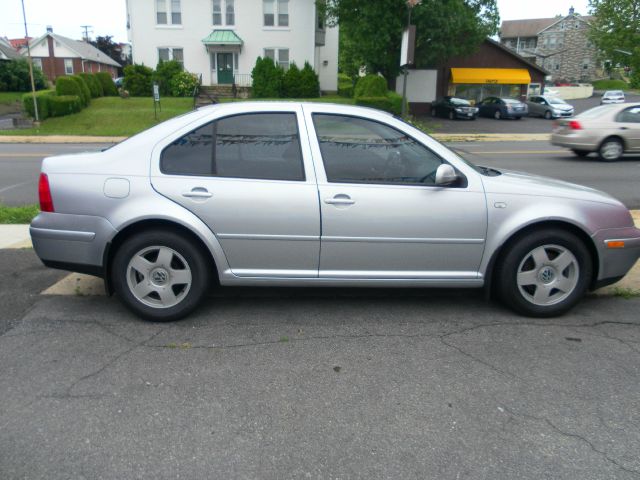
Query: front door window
x=224, y=63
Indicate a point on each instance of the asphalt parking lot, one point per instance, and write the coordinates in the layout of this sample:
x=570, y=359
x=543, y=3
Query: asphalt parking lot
x=318, y=383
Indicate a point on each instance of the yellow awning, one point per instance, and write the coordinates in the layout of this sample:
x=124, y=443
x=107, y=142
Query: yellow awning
x=502, y=76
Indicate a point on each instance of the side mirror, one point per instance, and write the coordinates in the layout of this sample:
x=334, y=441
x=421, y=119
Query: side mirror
x=446, y=175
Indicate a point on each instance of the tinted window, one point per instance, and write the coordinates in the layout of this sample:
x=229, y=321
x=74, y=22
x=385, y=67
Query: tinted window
x=261, y=145
x=630, y=115
x=355, y=150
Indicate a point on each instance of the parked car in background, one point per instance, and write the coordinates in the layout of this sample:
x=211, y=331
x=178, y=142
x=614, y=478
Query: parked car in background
x=312, y=194
x=452, y=108
x=502, y=108
x=609, y=130
x=612, y=96
x=119, y=82
x=549, y=107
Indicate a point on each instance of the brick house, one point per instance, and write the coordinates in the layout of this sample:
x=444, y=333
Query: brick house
x=560, y=45
x=56, y=55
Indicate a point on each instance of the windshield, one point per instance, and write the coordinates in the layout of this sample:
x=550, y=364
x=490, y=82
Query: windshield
x=556, y=101
x=460, y=101
x=510, y=100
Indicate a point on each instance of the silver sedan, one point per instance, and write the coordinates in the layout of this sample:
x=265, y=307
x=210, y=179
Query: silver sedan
x=301, y=194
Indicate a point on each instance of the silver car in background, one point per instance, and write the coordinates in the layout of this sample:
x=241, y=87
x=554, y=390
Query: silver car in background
x=549, y=107
x=307, y=194
x=608, y=130
x=612, y=96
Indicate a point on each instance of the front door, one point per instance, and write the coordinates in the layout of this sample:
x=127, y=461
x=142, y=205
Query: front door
x=382, y=214
x=224, y=62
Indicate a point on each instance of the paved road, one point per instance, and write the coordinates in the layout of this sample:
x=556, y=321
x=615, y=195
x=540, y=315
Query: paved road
x=20, y=167
x=280, y=383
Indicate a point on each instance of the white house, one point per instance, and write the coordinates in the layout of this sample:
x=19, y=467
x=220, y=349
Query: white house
x=221, y=39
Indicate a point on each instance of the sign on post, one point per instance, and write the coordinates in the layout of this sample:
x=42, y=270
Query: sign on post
x=156, y=99
x=407, y=50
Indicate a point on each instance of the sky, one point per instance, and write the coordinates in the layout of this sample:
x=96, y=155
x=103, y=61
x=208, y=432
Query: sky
x=107, y=17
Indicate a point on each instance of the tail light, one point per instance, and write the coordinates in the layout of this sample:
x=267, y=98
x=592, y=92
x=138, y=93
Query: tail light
x=575, y=125
x=44, y=192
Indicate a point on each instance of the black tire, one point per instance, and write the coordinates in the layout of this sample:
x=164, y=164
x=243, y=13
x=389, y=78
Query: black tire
x=581, y=153
x=606, y=145
x=197, y=263
x=519, y=253
x=452, y=115
x=497, y=115
x=547, y=115
x=518, y=118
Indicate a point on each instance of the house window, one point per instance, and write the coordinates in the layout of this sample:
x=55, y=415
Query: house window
x=278, y=55
x=68, y=66
x=165, y=54
x=585, y=64
x=231, y=16
x=276, y=10
x=217, y=12
x=37, y=62
x=162, y=18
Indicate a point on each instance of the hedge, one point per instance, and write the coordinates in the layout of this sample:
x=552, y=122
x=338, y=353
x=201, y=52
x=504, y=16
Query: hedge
x=108, y=86
x=85, y=93
x=391, y=102
x=60, y=106
x=309, y=83
x=67, y=86
x=345, y=85
x=14, y=76
x=371, y=86
x=42, y=99
x=95, y=87
x=137, y=80
x=165, y=73
x=267, y=79
x=610, y=85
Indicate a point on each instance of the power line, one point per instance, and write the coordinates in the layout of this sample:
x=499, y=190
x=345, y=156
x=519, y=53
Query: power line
x=86, y=31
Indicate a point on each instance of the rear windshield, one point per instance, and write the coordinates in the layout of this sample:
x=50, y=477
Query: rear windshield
x=615, y=93
x=510, y=100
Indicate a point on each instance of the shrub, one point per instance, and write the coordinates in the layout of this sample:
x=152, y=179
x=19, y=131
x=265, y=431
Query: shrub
x=391, y=103
x=345, y=85
x=165, y=71
x=634, y=80
x=108, y=86
x=292, y=82
x=85, y=93
x=95, y=87
x=610, y=85
x=64, y=105
x=309, y=83
x=370, y=86
x=42, y=99
x=138, y=80
x=14, y=76
x=267, y=79
x=67, y=86
x=183, y=84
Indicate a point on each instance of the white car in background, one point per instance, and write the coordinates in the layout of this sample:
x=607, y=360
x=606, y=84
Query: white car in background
x=612, y=96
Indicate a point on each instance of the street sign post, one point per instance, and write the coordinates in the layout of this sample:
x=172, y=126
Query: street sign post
x=156, y=100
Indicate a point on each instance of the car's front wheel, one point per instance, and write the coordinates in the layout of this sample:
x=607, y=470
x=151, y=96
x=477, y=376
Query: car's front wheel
x=548, y=115
x=497, y=115
x=160, y=275
x=545, y=273
x=611, y=150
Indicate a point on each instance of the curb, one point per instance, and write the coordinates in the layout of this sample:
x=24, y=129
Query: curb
x=443, y=137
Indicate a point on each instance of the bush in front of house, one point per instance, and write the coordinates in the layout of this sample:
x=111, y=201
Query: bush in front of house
x=391, y=102
x=345, y=85
x=292, y=82
x=108, y=86
x=165, y=72
x=183, y=84
x=85, y=93
x=62, y=105
x=370, y=86
x=67, y=86
x=267, y=79
x=309, y=82
x=95, y=87
x=42, y=100
x=14, y=76
x=138, y=80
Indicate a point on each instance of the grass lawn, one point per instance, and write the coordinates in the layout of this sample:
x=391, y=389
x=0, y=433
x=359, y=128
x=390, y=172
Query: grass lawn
x=110, y=116
x=8, y=98
x=18, y=214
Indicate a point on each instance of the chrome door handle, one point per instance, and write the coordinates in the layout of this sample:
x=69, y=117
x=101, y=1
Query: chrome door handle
x=340, y=200
x=197, y=192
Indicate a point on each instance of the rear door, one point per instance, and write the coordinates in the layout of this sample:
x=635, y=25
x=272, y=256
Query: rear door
x=249, y=177
x=628, y=126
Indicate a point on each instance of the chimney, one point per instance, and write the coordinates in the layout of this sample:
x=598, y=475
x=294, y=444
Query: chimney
x=572, y=10
x=49, y=29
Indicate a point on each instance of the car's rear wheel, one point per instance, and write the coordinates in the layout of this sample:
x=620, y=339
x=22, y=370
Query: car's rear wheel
x=497, y=115
x=160, y=276
x=611, y=150
x=545, y=273
x=547, y=115
x=581, y=153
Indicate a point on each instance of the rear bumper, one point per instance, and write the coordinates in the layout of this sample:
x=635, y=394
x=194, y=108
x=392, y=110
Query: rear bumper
x=574, y=142
x=71, y=242
x=615, y=263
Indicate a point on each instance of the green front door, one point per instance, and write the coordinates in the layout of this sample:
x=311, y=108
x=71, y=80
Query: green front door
x=225, y=68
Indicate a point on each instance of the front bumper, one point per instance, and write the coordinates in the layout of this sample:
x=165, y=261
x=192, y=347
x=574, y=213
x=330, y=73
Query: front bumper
x=615, y=263
x=71, y=242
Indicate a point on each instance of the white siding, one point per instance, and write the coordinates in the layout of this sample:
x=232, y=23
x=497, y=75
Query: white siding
x=421, y=85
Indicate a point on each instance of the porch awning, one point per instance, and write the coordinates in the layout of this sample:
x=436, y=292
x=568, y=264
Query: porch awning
x=503, y=76
x=223, y=37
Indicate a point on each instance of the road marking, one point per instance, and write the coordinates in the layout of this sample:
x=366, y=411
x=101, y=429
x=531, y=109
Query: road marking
x=516, y=152
x=14, y=186
x=9, y=155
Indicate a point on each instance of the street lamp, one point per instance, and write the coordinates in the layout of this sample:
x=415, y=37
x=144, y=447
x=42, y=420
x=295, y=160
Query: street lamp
x=407, y=46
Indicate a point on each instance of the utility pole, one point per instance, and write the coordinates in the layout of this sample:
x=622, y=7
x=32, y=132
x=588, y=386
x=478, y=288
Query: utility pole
x=86, y=32
x=33, y=83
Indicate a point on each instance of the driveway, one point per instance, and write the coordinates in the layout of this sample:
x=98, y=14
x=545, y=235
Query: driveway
x=525, y=125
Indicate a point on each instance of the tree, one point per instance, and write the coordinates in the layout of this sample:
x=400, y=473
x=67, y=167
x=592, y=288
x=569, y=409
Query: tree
x=110, y=48
x=616, y=29
x=371, y=32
